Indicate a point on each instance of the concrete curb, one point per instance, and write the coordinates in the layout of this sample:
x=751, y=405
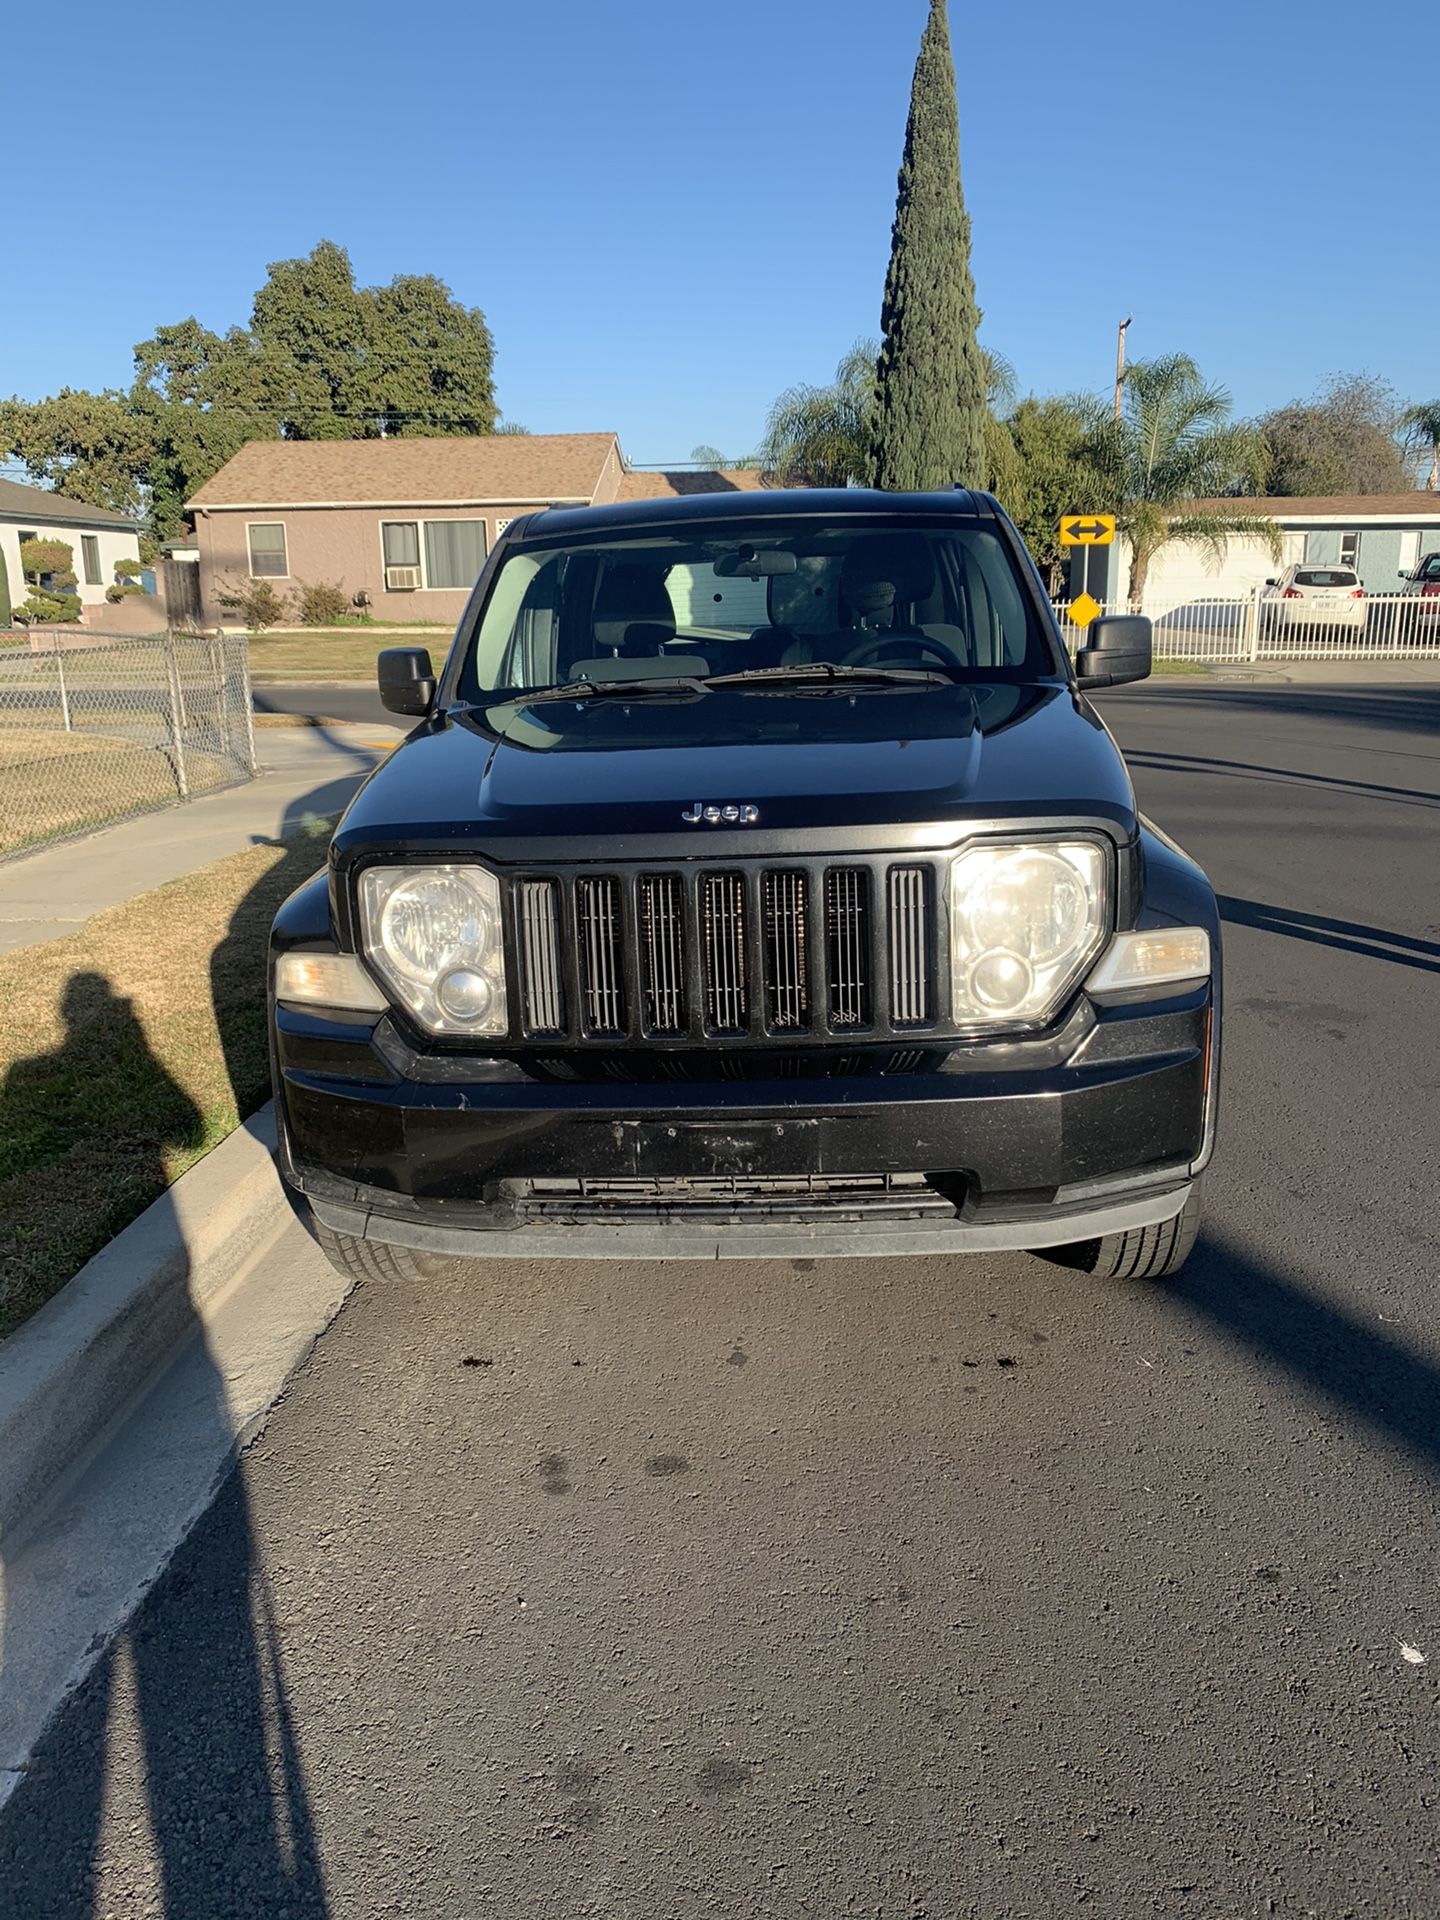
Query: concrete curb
x=70, y=1372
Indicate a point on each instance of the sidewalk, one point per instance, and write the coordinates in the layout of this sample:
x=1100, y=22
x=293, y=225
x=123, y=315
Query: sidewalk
x=1329, y=673
x=306, y=771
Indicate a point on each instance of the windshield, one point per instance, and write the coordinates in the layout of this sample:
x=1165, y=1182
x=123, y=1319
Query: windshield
x=757, y=599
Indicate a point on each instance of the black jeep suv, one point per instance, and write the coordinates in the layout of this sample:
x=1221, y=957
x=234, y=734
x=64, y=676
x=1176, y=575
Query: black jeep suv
x=757, y=879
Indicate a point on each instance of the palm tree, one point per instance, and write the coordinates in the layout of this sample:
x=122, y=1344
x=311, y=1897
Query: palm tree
x=1422, y=428
x=1173, y=447
x=820, y=436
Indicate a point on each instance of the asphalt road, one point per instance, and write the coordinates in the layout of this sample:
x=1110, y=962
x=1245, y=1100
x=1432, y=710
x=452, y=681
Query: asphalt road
x=348, y=701
x=892, y=1589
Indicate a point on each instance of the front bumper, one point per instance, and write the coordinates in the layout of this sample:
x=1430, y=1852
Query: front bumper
x=1093, y=1129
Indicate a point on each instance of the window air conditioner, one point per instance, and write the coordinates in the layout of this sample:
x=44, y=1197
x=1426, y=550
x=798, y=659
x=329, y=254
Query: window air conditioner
x=401, y=579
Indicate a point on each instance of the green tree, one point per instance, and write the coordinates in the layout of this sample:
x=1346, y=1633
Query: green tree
x=89, y=446
x=1056, y=473
x=821, y=436
x=321, y=359
x=1421, y=426
x=929, y=428
x=1341, y=441
x=194, y=392
x=1175, y=445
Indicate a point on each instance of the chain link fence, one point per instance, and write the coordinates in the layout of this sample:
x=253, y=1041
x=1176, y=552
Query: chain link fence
x=95, y=730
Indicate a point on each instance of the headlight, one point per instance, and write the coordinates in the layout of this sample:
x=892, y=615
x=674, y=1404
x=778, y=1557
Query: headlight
x=433, y=934
x=1025, y=922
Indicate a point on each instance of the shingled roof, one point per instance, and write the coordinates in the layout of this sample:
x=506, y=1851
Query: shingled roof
x=49, y=509
x=513, y=468
x=669, y=486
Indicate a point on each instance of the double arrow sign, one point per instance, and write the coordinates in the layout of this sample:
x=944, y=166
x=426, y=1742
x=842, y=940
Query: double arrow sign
x=1087, y=529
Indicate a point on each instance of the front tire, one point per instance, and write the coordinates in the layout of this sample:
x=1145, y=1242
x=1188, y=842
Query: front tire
x=370, y=1260
x=1140, y=1253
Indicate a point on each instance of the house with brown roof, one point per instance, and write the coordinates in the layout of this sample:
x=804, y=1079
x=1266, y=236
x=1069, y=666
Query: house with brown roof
x=406, y=523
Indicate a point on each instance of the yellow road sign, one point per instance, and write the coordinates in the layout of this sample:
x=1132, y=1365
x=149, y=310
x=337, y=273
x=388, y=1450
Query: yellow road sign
x=1087, y=529
x=1083, y=610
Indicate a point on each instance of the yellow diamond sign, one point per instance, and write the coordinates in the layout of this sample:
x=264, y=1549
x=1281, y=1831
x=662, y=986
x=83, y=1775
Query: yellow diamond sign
x=1084, y=610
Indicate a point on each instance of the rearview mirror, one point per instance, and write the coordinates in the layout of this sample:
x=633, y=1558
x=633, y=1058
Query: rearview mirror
x=1118, y=648
x=407, y=680
x=755, y=562
x=1272, y=581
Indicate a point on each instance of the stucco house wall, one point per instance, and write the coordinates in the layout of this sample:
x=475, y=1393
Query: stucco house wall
x=339, y=545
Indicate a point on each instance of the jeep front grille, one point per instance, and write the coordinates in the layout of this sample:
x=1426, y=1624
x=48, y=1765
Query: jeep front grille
x=797, y=951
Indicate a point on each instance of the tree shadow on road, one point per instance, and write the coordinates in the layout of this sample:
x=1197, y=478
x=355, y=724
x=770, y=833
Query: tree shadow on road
x=184, y=1720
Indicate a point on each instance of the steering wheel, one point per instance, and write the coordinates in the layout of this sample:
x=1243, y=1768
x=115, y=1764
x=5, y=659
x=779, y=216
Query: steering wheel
x=874, y=645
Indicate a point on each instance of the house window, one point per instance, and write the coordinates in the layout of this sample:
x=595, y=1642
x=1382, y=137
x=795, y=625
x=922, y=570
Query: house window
x=401, y=539
x=268, y=559
x=1349, y=549
x=448, y=553
x=90, y=558
x=454, y=552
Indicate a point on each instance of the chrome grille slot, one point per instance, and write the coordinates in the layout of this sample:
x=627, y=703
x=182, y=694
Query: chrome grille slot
x=784, y=908
x=909, y=946
x=662, y=952
x=544, y=996
x=598, y=933
x=847, y=946
x=722, y=924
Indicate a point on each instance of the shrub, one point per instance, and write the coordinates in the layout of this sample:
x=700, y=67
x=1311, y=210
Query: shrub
x=129, y=569
x=49, y=609
x=256, y=600
x=39, y=556
x=325, y=604
x=121, y=590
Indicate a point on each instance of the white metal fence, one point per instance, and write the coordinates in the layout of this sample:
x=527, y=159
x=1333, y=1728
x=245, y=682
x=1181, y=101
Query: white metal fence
x=92, y=731
x=1392, y=626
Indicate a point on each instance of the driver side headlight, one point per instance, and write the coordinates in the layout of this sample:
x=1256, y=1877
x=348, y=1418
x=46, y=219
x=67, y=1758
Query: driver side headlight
x=1025, y=923
x=433, y=934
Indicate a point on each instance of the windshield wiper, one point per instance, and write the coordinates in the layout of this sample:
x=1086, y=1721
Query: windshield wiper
x=597, y=690
x=820, y=672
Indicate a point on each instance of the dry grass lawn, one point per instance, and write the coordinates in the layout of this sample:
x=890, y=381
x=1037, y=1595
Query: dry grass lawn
x=322, y=654
x=128, y=1050
x=53, y=784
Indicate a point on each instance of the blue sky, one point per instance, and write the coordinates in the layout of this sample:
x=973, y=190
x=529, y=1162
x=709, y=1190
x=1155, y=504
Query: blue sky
x=670, y=210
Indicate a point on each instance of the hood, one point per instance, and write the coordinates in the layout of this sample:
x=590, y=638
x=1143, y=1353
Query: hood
x=517, y=779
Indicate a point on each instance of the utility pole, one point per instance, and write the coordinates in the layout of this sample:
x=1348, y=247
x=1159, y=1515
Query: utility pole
x=1120, y=362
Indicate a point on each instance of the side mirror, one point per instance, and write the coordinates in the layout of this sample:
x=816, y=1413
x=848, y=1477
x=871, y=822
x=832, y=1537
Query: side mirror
x=1118, y=649
x=1272, y=582
x=407, y=680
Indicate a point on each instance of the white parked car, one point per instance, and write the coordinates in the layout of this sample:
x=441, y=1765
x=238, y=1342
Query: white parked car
x=1314, y=596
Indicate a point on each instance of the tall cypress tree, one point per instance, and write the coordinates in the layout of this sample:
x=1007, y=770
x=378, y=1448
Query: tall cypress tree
x=930, y=402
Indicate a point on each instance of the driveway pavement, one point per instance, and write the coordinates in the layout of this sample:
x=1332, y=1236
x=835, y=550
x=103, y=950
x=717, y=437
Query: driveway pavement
x=900, y=1589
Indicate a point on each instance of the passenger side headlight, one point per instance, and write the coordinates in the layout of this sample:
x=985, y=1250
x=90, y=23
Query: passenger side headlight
x=433, y=934
x=1025, y=922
